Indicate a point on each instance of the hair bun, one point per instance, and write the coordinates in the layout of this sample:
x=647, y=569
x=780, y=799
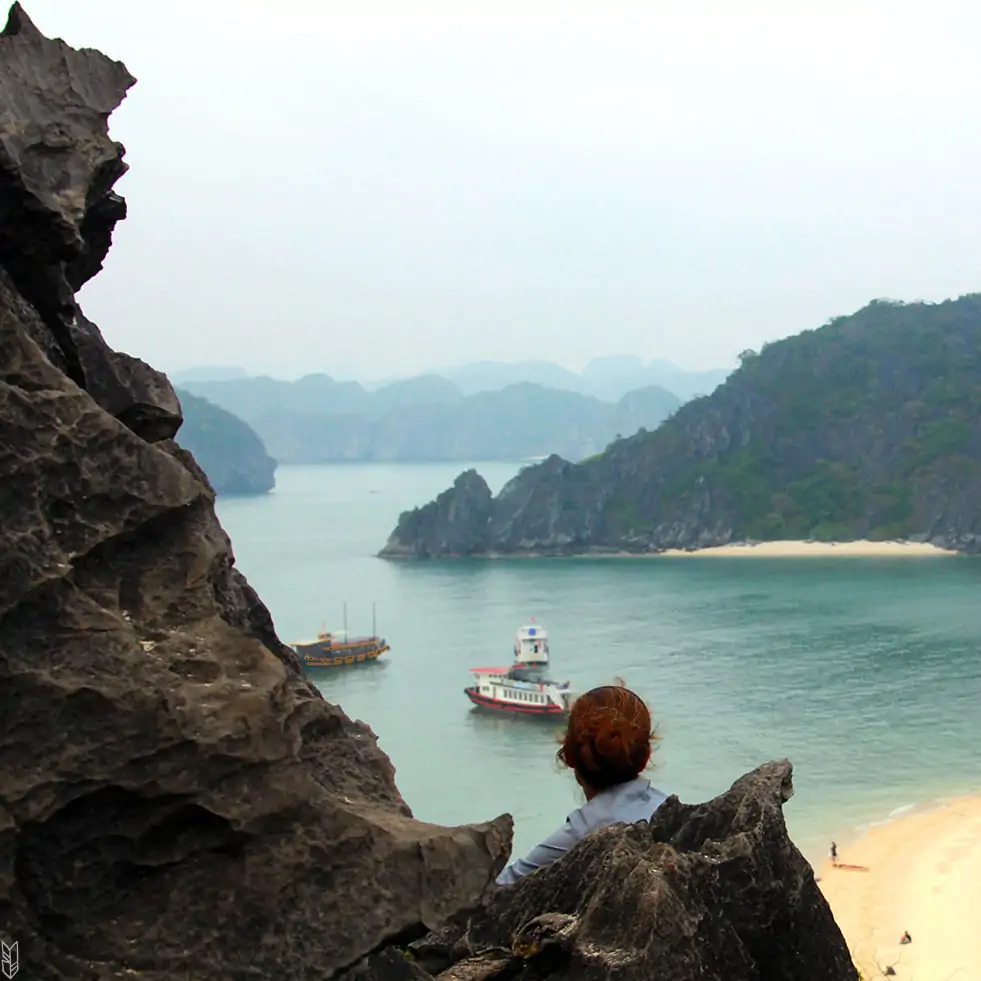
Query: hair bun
x=608, y=738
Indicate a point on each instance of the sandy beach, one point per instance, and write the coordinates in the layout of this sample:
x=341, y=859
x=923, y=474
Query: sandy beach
x=799, y=549
x=919, y=873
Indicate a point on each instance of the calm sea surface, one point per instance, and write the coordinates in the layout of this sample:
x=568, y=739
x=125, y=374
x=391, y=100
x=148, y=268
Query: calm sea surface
x=865, y=673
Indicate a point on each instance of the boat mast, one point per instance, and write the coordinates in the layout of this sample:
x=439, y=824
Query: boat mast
x=374, y=629
x=345, y=621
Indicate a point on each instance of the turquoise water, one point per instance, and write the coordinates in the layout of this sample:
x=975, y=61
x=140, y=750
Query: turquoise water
x=865, y=673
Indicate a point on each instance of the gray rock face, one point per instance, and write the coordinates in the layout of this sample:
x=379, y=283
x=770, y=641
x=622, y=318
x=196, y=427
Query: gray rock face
x=58, y=167
x=456, y=523
x=176, y=800
x=714, y=891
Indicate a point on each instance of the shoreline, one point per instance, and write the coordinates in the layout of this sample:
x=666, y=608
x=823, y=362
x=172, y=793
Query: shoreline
x=796, y=549
x=919, y=870
x=861, y=548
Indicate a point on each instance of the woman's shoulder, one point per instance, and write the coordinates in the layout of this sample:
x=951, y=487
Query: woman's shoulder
x=625, y=803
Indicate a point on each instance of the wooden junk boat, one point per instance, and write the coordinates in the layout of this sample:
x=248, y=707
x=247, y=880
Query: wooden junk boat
x=334, y=649
x=524, y=688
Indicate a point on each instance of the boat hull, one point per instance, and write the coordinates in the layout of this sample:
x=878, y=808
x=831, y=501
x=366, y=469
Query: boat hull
x=325, y=656
x=550, y=711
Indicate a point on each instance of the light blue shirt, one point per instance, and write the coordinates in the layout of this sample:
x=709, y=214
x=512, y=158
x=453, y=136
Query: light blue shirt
x=625, y=803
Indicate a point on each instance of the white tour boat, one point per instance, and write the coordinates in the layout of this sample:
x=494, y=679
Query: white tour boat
x=524, y=688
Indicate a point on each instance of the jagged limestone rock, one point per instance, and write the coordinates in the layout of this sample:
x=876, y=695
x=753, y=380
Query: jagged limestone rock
x=176, y=800
x=709, y=892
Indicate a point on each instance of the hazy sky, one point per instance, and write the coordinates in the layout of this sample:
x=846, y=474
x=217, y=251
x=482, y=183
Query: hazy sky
x=377, y=186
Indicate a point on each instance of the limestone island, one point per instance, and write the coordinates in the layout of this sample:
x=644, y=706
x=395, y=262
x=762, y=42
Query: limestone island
x=866, y=430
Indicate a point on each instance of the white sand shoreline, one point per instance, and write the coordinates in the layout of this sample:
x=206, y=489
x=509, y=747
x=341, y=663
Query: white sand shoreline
x=796, y=549
x=918, y=870
x=781, y=549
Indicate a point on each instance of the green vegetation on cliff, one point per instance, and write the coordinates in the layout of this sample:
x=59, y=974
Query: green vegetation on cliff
x=867, y=427
x=878, y=402
x=227, y=449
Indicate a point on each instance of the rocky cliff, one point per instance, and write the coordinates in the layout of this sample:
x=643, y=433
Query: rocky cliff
x=176, y=801
x=228, y=450
x=869, y=427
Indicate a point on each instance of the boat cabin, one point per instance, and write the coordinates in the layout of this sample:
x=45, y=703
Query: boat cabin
x=531, y=645
x=524, y=688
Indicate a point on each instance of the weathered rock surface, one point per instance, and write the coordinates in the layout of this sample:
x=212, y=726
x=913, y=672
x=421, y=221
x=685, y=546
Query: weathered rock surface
x=176, y=801
x=869, y=427
x=713, y=891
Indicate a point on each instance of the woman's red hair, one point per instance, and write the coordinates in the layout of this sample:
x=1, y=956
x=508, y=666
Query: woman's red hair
x=609, y=737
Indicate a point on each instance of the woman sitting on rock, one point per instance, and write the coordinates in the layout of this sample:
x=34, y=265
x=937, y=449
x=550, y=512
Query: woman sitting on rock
x=607, y=744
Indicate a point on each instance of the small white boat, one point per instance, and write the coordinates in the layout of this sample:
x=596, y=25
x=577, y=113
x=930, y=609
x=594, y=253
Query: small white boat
x=524, y=688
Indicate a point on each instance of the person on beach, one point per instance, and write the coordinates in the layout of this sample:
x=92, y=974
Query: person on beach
x=834, y=854
x=607, y=744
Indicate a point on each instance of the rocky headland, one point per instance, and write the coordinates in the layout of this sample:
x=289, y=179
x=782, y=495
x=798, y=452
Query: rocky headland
x=176, y=800
x=866, y=428
x=227, y=448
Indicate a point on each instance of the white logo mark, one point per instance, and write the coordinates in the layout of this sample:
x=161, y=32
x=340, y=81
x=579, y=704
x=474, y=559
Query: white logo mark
x=9, y=959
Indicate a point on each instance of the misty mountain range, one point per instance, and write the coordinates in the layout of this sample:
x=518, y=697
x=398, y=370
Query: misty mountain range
x=607, y=378
x=319, y=420
x=487, y=411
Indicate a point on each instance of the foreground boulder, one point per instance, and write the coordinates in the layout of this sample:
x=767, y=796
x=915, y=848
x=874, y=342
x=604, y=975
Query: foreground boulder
x=706, y=892
x=176, y=801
